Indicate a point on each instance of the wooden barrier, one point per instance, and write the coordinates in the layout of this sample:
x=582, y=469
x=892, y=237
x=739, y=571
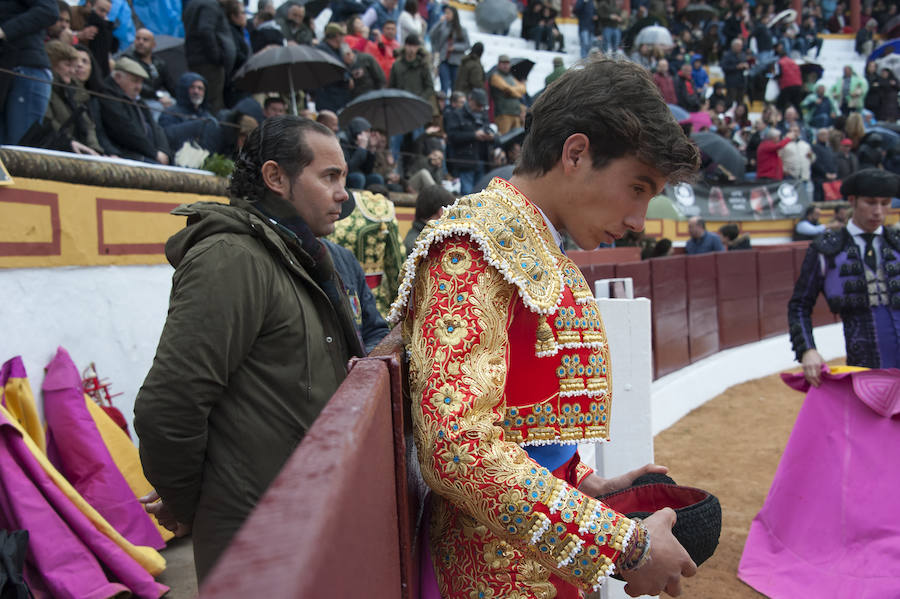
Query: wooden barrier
x=737, y=290
x=775, y=270
x=702, y=307
x=341, y=518
x=669, y=314
x=328, y=526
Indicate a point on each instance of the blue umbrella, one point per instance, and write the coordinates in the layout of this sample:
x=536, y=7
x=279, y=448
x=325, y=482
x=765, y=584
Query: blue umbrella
x=678, y=112
x=879, y=51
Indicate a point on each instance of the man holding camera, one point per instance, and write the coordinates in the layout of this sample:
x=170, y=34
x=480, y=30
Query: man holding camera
x=470, y=140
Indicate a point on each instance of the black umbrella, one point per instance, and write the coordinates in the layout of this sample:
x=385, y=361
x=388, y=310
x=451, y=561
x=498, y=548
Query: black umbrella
x=699, y=12
x=495, y=16
x=171, y=49
x=520, y=67
x=284, y=69
x=392, y=110
x=891, y=29
x=722, y=151
x=512, y=136
x=809, y=68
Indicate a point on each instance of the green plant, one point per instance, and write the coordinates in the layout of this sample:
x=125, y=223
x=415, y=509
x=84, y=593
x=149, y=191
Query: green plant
x=218, y=164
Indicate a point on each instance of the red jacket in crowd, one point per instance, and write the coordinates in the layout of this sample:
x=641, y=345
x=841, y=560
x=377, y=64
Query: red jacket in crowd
x=768, y=162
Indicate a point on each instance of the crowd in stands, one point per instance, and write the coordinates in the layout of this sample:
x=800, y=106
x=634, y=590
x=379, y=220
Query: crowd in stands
x=88, y=79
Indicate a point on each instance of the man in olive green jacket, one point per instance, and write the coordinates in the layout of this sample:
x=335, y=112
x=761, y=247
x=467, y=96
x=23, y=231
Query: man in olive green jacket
x=257, y=338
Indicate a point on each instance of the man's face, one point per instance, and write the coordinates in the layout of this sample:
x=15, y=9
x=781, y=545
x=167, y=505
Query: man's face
x=695, y=230
x=662, y=67
x=389, y=30
x=61, y=25
x=868, y=212
x=815, y=215
x=318, y=191
x=144, y=42
x=130, y=84
x=196, y=92
x=436, y=158
x=275, y=109
x=410, y=51
x=349, y=57
x=608, y=202
x=504, y=66
x=102, y=7
x=790, y=114
x=295, y=14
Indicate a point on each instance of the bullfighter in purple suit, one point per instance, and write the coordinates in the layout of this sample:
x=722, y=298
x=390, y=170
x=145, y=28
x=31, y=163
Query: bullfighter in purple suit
x=858, y=269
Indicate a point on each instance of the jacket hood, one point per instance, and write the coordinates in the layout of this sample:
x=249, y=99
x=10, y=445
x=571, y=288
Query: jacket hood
x=205, y=219
x=357, y=125
x=181, y=92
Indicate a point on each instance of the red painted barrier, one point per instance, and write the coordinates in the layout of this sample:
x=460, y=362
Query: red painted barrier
x=703, y=306
x=327, y=527
x=775, y=269
x=669, y=314
x=640, y=275
x=736, y=287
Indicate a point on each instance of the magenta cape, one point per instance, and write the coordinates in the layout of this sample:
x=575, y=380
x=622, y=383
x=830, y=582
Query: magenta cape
x=829, y=527
x=67, y=555
x=75, y=447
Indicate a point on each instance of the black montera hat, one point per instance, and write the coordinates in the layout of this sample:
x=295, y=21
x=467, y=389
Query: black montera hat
x=871, y=182
x=699, y=515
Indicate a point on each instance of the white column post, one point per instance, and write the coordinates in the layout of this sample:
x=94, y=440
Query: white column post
x=627, y=323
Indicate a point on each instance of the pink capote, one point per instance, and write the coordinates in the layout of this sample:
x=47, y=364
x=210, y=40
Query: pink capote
x=67, y=555
x=75, y=447
x=830, y=526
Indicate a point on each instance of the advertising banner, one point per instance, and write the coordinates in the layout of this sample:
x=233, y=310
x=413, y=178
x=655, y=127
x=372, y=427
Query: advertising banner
x=745, y=200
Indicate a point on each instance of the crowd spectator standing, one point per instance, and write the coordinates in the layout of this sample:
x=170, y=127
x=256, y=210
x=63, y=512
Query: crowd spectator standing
x=768, y=161
x=663, y=80
x=586, y=13
x=209, y=47
x=470, y=140
x=506, y=92
x=449, y=42
x=24, y=99
x=471, y=72
x=735, y=63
